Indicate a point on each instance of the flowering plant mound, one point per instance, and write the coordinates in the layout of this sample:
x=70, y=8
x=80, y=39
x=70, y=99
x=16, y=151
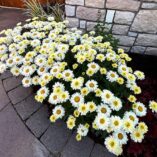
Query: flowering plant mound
x=88, y=83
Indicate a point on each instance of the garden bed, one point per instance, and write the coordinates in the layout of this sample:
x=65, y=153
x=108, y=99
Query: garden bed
x=85, y=79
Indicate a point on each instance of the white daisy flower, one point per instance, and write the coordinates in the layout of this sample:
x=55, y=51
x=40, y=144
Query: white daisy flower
x=153, y=106
x=64, y=96
x=128, y=125
x=102, y=121
x=132, y=116
x=139, y=74
x=77, y=83
x=46, y=77
x=92, y=106
x=123, y=68
x=82, y=130
x=55, y=70
x=116, y=104
x=15, y=71
x=140, y=109
x=9, y=62
x=68, y=75
x=121, y=136
x=59, y=85
x=18, y=60
x=44, y=91
x=76, y=99
x=83, y=108
x=94, y=66
x=104, y=109
x=40, y=60
x=42, y=70
x=50, y=18
x=3, y=49
x=59, y=112
x=3, y=68
x=59, y=56
x=112, y=76
x=53, y=99
x=26, y=70
x=91, y=85
x=35, y=80
x=35, y=43
x=113, y=145
x=4, y=57
x=116, y=122
x=107, y=96
x=26, y=82
x=137, y=136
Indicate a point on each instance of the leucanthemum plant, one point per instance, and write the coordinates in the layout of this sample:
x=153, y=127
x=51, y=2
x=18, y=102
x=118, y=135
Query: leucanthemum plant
x=88, y=83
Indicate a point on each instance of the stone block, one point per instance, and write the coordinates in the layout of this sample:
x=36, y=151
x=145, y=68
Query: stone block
x=124, y=17
x=149, y=6
x=70, y=10
x=91, y=14
x=27, y=107
x=18, y=94
x=82, y=24
x=39, y=121
x=109, y=16
x=145, y=21
x=128, y=5
x=125, y=48
x=73, y=22
x=138, y=49
x=120, y=29
x=90, y=25
x=125, y=40
x=95, y=4
x=151, y=51
x=78, y=149
x=75, y=2
x=12, y=82
x=150, y=0
x=132, y=34
x=56, y=137
x=146, y=40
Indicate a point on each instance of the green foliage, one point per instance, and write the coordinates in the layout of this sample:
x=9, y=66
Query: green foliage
x=35, y=9
x=102, y=30
x=57, y=12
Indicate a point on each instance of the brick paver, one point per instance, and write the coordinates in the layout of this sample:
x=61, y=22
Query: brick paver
x=15, y=139
x=5, y=75
x=4, y=100
x=101, y=151
x=39, y=121
x=19, y=94
x=27, y=107
x=56, y=137
x=11, y=83
x=78, y=149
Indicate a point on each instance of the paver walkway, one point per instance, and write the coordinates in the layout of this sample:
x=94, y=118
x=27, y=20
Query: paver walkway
x=25, y=130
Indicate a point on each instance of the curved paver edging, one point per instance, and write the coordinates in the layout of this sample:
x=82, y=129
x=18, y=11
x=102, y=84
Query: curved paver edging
x=53, y=140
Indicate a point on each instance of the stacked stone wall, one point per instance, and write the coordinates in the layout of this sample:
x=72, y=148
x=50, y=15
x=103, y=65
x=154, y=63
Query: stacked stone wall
x=133, y=22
